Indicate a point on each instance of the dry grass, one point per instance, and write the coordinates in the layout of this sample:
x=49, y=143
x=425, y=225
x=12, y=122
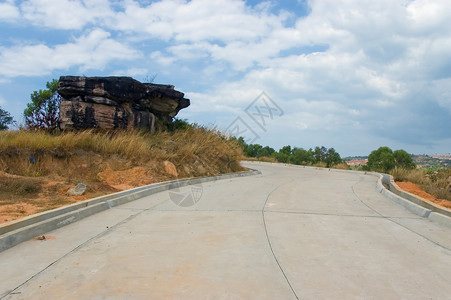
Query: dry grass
x=207, y=150
x=341, y=166
x=130, y=144
x=320, y=165
x=435, y=183
x=19, y=186
x=59, y=161
x=261, y=158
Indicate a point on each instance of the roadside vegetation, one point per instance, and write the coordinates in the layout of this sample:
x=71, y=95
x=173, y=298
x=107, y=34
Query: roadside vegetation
x=435, y=181
x=37, y=167
x=39, y=163
x=319, y=156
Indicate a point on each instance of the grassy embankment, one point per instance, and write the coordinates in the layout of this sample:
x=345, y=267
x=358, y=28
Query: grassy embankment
x=37, y=168
x=434, y=182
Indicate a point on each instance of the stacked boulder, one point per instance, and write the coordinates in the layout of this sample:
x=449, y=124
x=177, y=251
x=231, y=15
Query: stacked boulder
x=116, y=103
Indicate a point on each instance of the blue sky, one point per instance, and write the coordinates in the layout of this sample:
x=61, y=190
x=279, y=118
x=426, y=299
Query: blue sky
x=353, y=75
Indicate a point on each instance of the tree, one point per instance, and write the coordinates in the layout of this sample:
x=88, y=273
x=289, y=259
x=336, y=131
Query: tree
x=332, y=157
x=267, y=151
x=5, y=119
x=241, y=142
x=403, y=160
x=301, y=156
x=381, y=159
x=285, y=150
x=43, y=111
x=253, y=150
x=384, y=160
x=283, y=155
x=320, y=154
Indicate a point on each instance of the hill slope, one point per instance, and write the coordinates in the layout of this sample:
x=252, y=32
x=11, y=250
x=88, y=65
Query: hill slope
x=37, y=168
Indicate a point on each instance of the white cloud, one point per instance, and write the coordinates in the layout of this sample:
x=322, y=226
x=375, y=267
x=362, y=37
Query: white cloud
x=161, y=59
x=429, y=16
x=66, y=14
x=197, y=20
x=133, y=72
x=8, y=11
x=91, y=51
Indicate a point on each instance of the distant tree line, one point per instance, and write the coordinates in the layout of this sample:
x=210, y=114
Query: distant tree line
x=383, y=159
x=295, y=155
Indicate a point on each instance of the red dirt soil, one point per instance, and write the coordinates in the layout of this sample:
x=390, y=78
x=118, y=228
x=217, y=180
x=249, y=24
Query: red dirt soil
x=53, y=193
x=417, y=190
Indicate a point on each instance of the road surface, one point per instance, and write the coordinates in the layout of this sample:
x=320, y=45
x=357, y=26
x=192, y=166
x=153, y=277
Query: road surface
x=289, y=233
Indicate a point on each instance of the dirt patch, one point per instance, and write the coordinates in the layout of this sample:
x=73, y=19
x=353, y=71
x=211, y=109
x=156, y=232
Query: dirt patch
x=22, y=196
x=417, y=190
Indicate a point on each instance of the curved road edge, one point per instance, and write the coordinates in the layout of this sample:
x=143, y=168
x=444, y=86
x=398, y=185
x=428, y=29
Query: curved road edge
x=415, y=204
x=390, y=190
x=18, y=231
x=15, y=232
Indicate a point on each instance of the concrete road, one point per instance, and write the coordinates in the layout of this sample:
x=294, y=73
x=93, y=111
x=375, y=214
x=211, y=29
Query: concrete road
x=289, y=233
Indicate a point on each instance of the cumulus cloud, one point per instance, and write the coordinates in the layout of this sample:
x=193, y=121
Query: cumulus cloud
x=89, y=51
x=133, y=72
x=8, y=11
x=197, y=20
x=66, y=14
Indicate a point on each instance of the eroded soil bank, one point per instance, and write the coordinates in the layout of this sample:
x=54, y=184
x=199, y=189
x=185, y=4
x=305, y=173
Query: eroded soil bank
x=34, y=182
x=417, y=190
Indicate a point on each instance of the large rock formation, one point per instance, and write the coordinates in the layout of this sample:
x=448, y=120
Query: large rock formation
x=116, y=102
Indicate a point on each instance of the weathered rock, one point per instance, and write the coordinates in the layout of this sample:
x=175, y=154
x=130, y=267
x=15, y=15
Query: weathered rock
x=79, y=115
x=116, y=102
x=78, y=190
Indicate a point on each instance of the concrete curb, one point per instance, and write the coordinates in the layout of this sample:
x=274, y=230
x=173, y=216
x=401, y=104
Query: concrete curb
x=410, y=201
x=15, y=232
x=415, y=208
x=414, y=203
